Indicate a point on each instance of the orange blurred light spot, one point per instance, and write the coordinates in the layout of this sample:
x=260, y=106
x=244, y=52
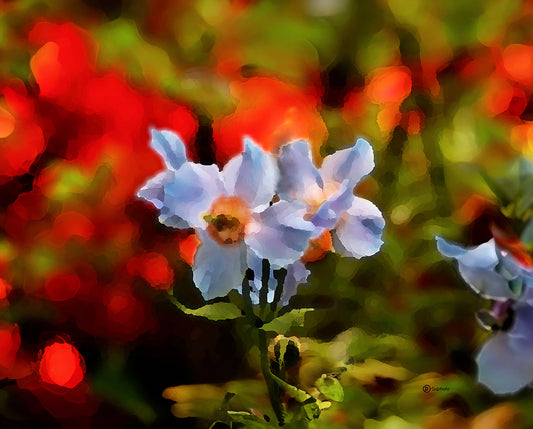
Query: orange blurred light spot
x=61, y=364
x=389, y=85
x=498, y=96
x=522, y=138
x=355, y=107
x=414, y=123
x=388, y=118
x=7, y=123
x=472, y=208
x=518, y=62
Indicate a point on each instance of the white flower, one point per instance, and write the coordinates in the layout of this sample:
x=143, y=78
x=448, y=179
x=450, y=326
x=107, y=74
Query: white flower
x=231, y=211
x=327, y=193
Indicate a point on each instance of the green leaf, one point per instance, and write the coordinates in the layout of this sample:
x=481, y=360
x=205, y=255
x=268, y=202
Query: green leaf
x=298, y=394
x=311, y=411
x=286, y=322
x=216, y=311
x=330, y=387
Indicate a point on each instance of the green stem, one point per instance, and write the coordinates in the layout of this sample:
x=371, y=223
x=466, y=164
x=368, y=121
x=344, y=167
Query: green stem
x=279, y=275
x=263, y=293
x=272, y=386
x=261, y=342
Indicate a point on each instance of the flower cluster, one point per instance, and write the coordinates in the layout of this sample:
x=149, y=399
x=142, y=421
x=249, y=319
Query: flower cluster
x=504, y=361
x=260, y=206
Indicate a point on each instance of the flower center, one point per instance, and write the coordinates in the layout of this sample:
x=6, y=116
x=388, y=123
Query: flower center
x=227, y=219
x=314, y=196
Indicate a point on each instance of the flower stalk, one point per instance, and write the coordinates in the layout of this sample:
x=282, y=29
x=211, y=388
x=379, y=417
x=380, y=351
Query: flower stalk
x=261, y=339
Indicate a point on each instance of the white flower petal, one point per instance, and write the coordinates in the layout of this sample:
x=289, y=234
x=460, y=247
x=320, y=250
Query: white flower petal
x=153, y=190
x=482, y=256
x=350, y=164
x=486, y=282
x=192, y=192
x=252, y=176
x=171, y=148
x=504, y=364
x=280, y=233
x=298, y=173
x=218, y=269
x=296, y=275
x=329, y=212
x=358, y=232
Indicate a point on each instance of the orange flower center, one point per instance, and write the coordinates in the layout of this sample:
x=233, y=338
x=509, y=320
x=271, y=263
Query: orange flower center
x=227, y=220
x=314, y=196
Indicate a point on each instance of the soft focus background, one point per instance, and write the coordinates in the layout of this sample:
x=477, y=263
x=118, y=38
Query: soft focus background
x=88, y=337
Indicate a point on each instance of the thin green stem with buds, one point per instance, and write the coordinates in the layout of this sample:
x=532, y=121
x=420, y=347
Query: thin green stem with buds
x=261, y=339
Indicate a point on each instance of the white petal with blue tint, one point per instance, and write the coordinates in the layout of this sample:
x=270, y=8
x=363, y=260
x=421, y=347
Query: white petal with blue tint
x=169, y=146
x=482, y=256
x=299, y=176
x=359, y=231
x=192, y=192
x=280, y=233
x=332, y=208
x=523, y=322
x=477, y=265
x=505, y=364
x=296, y=275
x=486, y=282
x=350, y=164
x=252, y=176
x=218, y=269
x=153, y=190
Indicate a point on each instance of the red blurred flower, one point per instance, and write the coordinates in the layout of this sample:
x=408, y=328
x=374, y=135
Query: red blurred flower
x=21, y=140
x=5, y=290
x=272, y=113
x=9, y=346
x=61, y=364
x=62, y=286
x=154, y=268
x=64, y=62
x=101, y=117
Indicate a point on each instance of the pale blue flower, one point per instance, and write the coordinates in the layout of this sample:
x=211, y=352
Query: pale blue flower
x=327, y=193
x=505, y=361
x=231, y=211
x=487, y=269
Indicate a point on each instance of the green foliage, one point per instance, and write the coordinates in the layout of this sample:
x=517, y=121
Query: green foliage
x=215, y=311
x=284, y=323
x=330, y=387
